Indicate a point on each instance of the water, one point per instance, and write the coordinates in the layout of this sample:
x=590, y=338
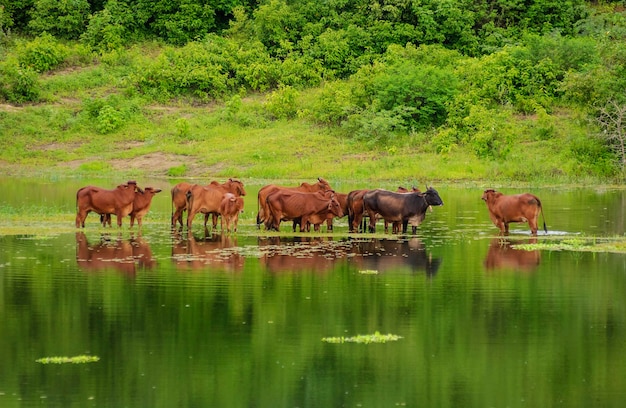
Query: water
x=237, y=321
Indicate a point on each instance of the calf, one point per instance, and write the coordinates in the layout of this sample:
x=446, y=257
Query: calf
x=400, y=207
x=207, y=199
x=118, y=201
x=230, y=207
x=141, y=205
x=504, y=209
x=179, y=197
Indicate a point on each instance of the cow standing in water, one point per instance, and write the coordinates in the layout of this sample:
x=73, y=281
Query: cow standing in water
x=230, y=207
x=118, y=201
x=263, y=214
x=405, y=208
x=504, y=209
x=141, y=206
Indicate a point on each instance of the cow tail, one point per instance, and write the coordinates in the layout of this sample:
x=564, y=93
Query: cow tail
x=545, y=229
x=258, y=213
x=172, y=208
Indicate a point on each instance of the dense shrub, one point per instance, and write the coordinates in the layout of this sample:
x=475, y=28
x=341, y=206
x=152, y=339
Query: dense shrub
x=18, y=84
x=42, y=54
x=61, y=18
x=111, y=113
x=110, y=28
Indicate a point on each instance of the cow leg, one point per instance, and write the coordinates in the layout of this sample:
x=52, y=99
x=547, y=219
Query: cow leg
x=80, y=219
x=119, y=219
x=372, y=222
x=405, y=226
x=304, y=224
x=414, y=229
x=190, y=218
x=215, y=217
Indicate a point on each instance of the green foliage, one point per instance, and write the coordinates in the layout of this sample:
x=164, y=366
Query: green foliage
x=486, y=132
x=180, y=22
x=109, y=114
x=110, y=28
x=182, y=128
x=277, y=25
x=42, y=54
x=177, y=171
x=282, y=103
x=62, y=18
x=18, y=84
x=590, y=156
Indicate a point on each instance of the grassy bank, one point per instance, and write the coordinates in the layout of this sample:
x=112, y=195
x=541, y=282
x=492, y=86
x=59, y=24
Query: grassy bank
x=90, y=122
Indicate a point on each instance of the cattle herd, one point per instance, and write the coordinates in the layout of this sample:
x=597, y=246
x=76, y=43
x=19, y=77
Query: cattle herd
x=303, y=205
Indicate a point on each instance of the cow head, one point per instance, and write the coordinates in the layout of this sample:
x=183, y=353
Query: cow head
x=334, y=207
x=490, y=194
x=432, y=196
x=237, y=187
x=133, y=184
x=151, y=191
x=325, y=186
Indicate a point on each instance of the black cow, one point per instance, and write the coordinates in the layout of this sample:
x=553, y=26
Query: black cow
x=399, y=207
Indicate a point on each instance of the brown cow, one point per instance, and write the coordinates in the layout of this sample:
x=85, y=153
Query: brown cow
x=502, y=254
x=264, y=192
x=230, y=207
x=504, y=209
x=318, y=219
x=179, y=202
x=179, y=197
x=289, y=205
x=207, y=200
x=118, y=201
x=141, y=206
x=356, y=211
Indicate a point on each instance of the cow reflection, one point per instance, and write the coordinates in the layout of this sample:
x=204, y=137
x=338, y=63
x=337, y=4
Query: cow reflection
x=301, y=254
x=383, y=255
x=123, y=255
x=212, y=251
x=503, y=255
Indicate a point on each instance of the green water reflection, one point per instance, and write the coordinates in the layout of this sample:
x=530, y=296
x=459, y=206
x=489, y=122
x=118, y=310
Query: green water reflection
x=197, y=320
x=193, y=323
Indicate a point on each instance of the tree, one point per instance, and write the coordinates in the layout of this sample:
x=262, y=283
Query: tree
x=612, y=121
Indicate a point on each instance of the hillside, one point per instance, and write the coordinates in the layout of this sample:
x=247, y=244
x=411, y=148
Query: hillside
x=357, y=96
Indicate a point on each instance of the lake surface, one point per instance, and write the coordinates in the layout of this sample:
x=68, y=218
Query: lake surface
x=212, y=320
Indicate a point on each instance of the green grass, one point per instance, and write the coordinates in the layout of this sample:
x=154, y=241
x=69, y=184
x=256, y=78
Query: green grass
x=238, y=137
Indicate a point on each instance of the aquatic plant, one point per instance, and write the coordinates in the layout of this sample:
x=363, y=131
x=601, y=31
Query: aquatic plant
x=82, y=359
x=363, y=338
